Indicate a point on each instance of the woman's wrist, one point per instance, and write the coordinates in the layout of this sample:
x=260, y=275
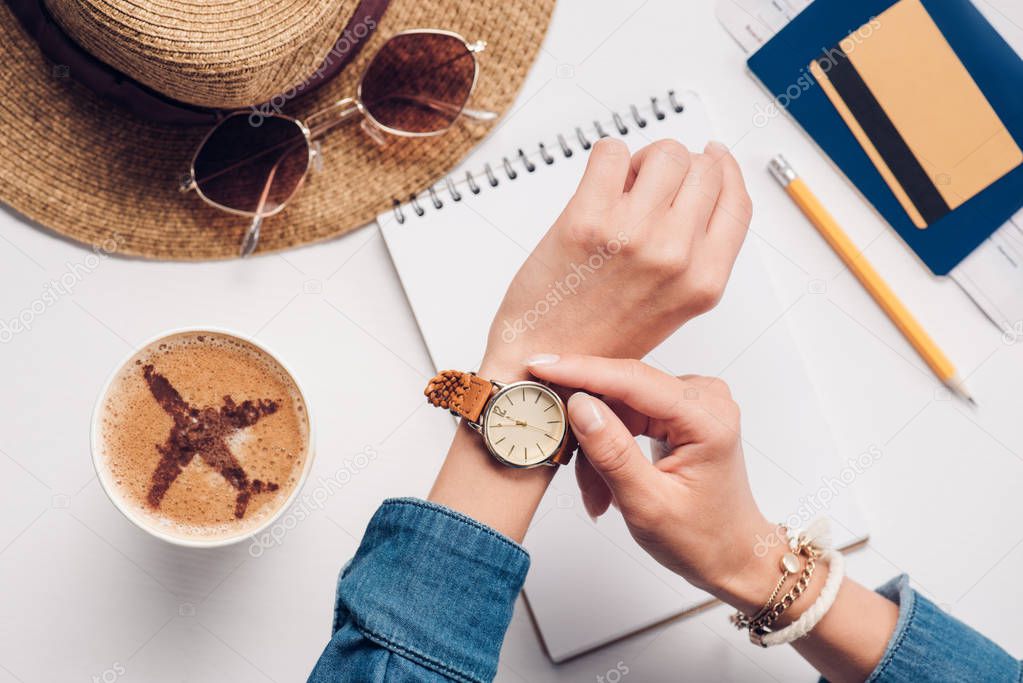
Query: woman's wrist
x=745, y=575
x=474, y=483
x=504, y=367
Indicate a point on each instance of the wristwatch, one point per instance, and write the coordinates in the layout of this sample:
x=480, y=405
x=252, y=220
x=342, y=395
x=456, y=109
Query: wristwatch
x=523, y=424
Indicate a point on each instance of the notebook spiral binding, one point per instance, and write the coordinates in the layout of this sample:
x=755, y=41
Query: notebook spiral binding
x=418, y=203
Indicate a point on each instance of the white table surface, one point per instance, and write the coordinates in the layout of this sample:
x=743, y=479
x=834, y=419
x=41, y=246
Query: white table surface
x=86, y=596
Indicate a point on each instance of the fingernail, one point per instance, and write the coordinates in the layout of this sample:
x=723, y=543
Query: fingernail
x=715, y=146
x=584, y=414
x=542, y=359
x=592, y=518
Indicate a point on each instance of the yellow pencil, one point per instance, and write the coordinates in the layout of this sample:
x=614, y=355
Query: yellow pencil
x=828, y=227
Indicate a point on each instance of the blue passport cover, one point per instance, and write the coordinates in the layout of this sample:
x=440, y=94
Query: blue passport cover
x=782, y=66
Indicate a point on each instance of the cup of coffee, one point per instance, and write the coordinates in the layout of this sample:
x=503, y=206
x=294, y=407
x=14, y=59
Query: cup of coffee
x=202, y=437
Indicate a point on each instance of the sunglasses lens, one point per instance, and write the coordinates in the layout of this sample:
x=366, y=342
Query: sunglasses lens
x=252, y=168
x=419, y=82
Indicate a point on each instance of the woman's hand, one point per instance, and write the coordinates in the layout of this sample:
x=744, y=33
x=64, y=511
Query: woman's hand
x=692, y=508
x=646, y=243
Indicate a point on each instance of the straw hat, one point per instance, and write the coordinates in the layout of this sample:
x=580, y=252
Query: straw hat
x=89, y=169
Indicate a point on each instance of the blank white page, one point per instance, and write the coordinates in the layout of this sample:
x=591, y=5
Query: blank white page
x=589, y=583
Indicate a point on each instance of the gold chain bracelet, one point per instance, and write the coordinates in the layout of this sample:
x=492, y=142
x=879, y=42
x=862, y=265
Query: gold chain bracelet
x=759, y=624
x=789, y=565
x=762, y=626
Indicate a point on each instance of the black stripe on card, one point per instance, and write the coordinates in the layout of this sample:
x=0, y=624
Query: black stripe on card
x=882, y=133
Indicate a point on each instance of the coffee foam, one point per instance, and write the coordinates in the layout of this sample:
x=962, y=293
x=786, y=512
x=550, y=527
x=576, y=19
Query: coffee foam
x=204, y=368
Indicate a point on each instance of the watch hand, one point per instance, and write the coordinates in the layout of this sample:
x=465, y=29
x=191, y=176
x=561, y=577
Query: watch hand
x=523, y=423
x=526, y=424
x=514, y=423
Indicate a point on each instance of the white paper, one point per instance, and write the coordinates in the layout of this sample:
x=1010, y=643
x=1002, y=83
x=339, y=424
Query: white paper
x=754, y=22
x=993, y=277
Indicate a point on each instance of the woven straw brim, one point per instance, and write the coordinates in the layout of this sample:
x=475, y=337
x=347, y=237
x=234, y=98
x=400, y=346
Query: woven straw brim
x=84, y=168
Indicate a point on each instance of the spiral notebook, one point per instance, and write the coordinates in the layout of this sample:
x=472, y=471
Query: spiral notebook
x=589, y=583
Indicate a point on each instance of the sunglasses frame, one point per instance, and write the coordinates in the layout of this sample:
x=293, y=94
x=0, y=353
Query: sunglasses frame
x=190, y=183
x=346, y=108
x=473, y=48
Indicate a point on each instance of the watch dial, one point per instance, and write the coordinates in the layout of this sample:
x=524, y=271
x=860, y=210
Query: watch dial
x=524, y=423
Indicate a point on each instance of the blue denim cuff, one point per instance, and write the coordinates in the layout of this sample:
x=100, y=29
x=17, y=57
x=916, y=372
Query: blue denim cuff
x=931, y=645
x=435, y=586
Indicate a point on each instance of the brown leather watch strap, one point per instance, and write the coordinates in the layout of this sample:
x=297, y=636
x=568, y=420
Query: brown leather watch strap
x=462, y=393
x=568, y=449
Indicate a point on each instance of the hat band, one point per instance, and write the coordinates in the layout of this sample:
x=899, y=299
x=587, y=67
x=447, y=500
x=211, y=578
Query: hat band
x=146, y=103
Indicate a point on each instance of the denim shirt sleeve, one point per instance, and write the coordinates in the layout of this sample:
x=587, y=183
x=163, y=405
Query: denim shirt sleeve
x=930, y=645
x=427, y=597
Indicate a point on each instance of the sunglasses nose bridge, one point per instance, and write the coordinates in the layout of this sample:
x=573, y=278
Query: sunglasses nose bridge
x=476, y=46
x=320, y=122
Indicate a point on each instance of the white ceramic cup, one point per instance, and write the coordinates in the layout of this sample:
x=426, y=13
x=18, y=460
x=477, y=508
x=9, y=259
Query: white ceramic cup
x=146, y=524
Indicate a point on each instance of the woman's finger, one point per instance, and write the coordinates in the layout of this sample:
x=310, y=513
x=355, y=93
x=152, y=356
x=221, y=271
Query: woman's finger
x=651, y=392
x=698, y=195
x=636, y=422
x=732, y=215
x=657, y=172
x=612, y=451
x=714, y=386
x=603, y=182
x=596, y=495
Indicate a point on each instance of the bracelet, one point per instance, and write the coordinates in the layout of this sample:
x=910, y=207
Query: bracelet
x=813, y=615
x=762, y=627
x=813, y=544
x=789, y=564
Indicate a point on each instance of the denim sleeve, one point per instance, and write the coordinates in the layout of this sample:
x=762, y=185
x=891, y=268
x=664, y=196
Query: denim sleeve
x=930, y=645
x=427, y=597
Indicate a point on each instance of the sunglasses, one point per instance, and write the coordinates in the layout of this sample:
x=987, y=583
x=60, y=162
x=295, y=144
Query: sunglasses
x=416, y=85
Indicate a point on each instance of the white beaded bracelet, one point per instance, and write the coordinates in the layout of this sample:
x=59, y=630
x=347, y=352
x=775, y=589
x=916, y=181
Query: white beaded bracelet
x=812, y=616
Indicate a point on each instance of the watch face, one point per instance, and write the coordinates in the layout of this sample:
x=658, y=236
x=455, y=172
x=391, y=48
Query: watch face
x=524, y=424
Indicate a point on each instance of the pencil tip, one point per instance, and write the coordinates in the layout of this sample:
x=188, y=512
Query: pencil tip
x=957, y=387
